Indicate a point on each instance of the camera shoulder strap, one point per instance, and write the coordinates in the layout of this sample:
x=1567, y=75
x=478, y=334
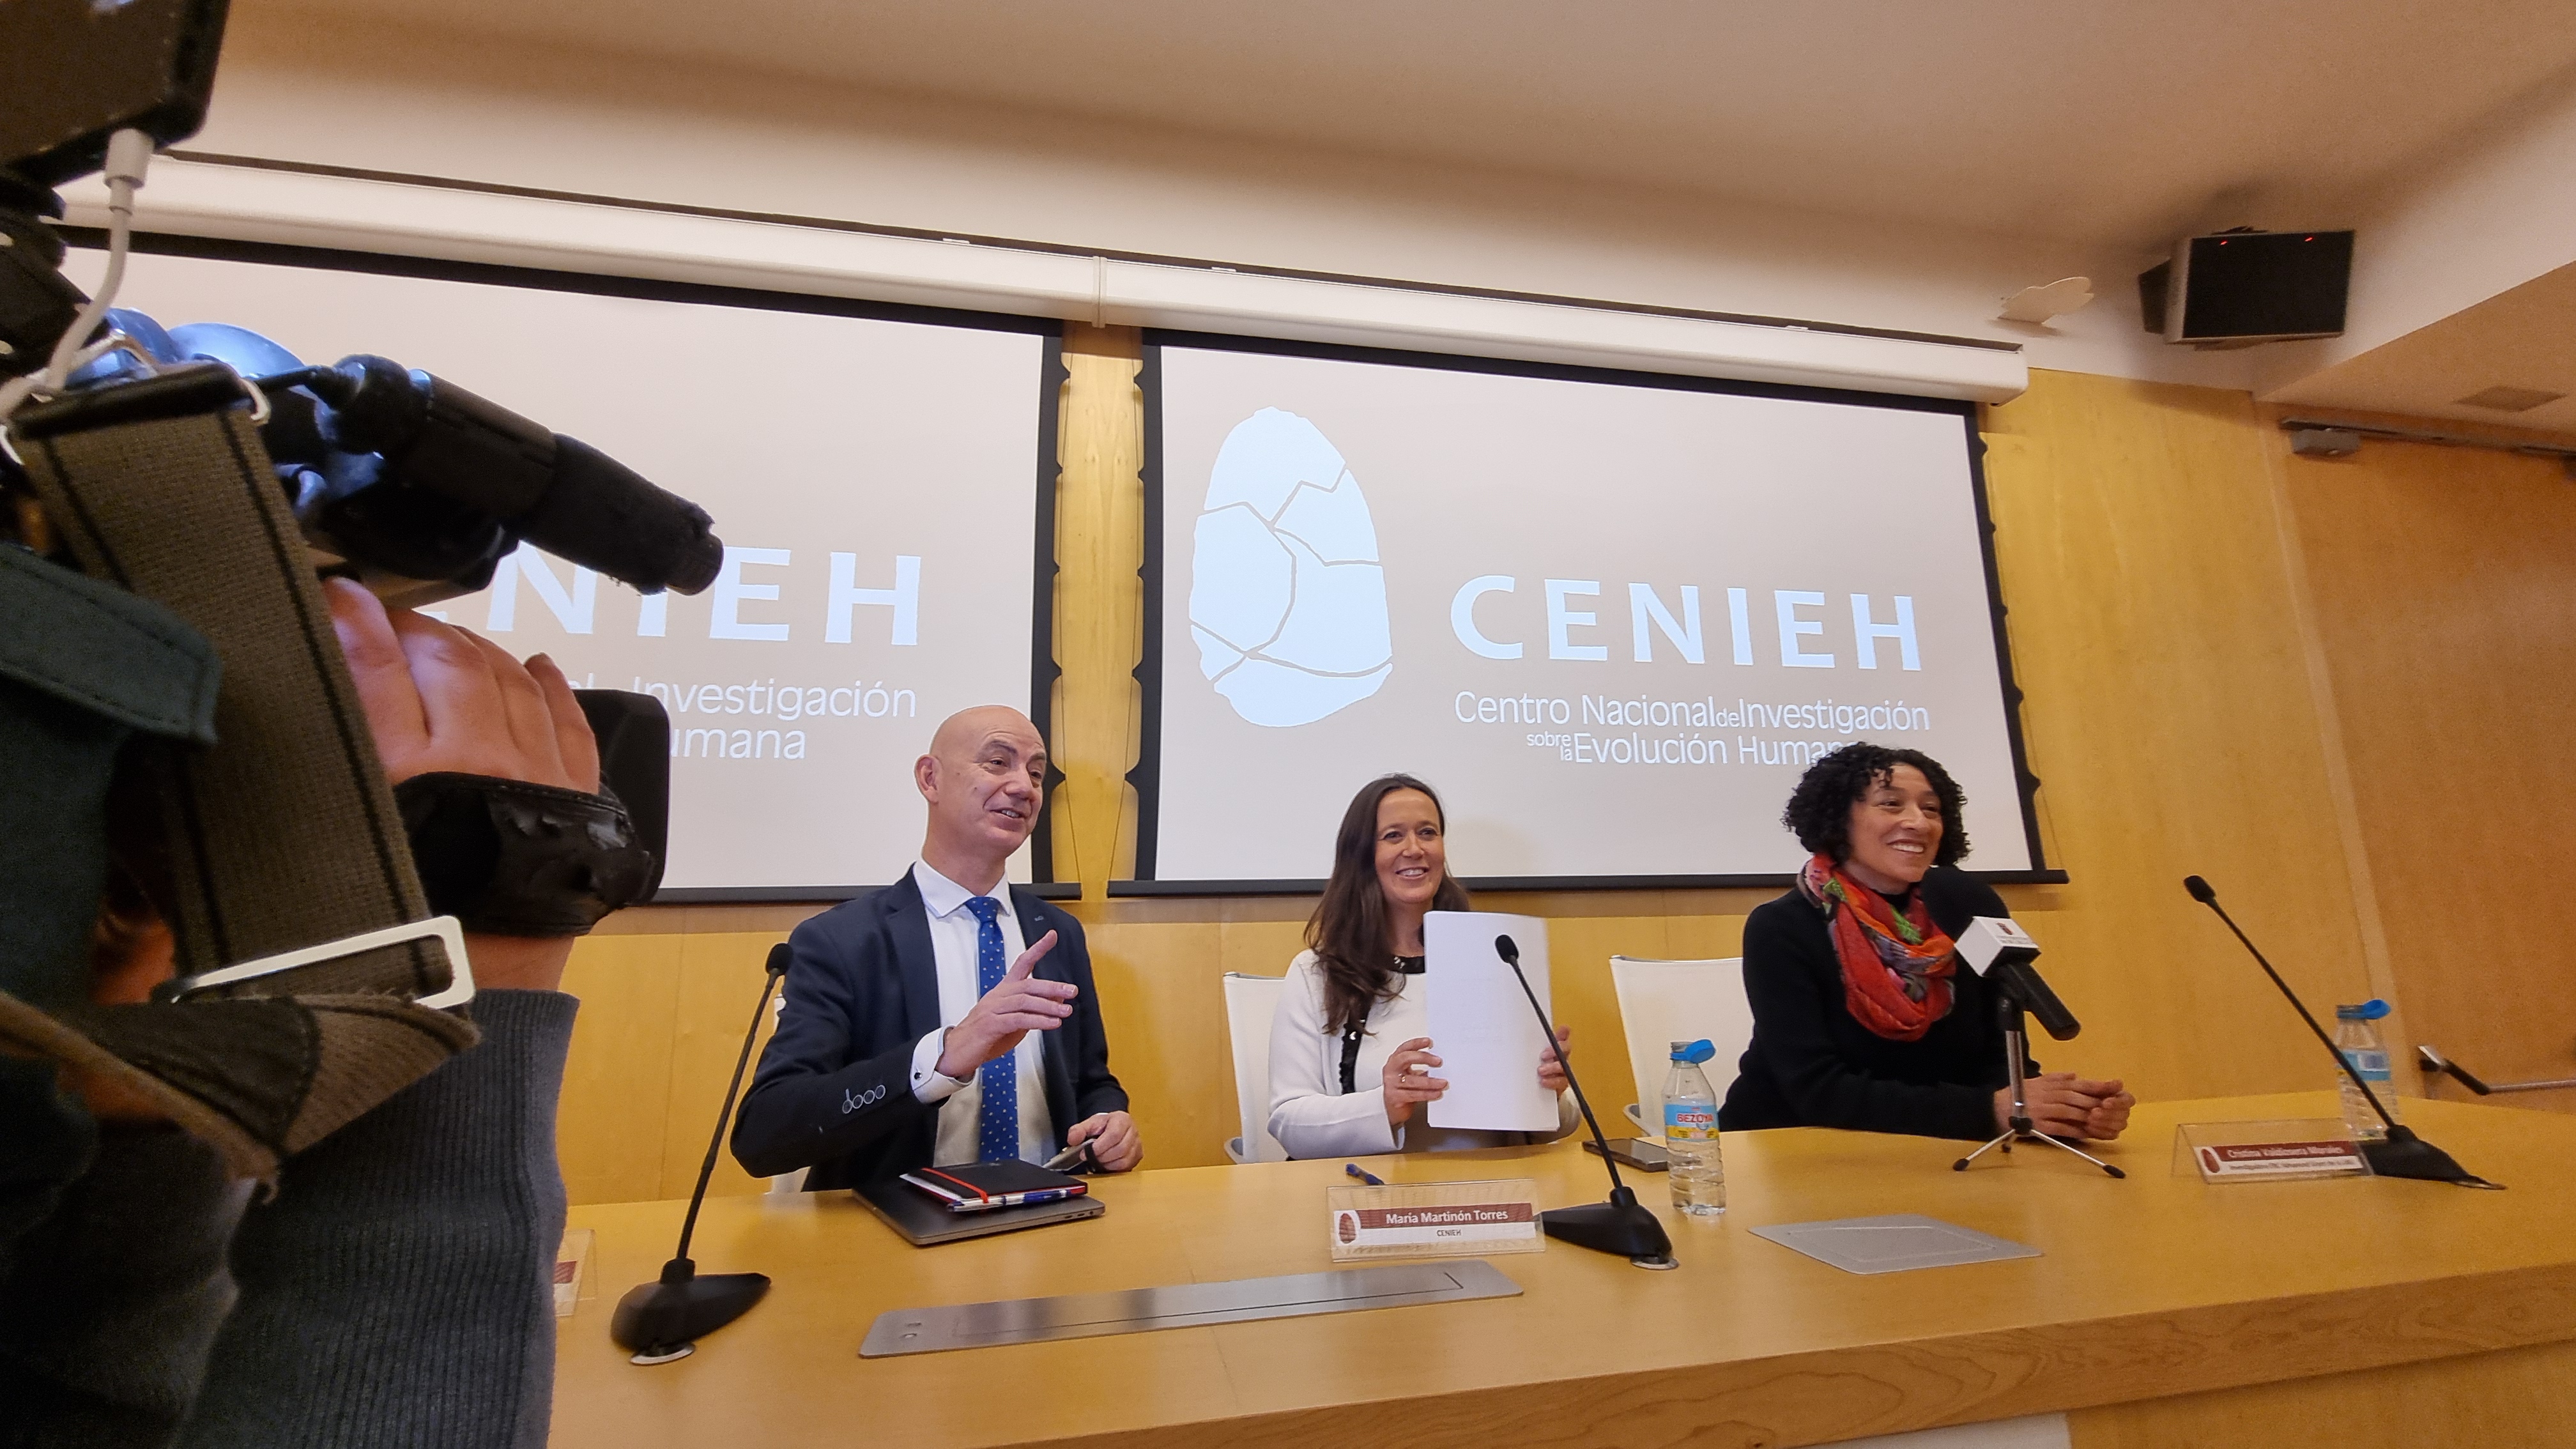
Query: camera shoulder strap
x=284, y=836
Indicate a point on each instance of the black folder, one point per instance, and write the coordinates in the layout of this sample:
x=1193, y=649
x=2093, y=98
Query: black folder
x=924, y=1220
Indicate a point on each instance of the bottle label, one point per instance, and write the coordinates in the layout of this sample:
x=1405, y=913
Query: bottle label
x=2369, y=1064
x=1690, y=1122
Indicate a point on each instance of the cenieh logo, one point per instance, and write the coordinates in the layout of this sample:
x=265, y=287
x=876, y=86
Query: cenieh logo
x=1287, y=595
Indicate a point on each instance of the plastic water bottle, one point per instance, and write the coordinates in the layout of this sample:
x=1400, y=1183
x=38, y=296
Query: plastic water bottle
x=2366, y=1057
x=1698, y=1175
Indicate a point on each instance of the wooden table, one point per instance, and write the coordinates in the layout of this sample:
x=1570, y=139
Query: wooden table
x=2147, y=1289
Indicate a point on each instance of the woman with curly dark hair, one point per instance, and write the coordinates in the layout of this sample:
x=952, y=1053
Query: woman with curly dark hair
x=1863, y=1016
x=1349, y=1060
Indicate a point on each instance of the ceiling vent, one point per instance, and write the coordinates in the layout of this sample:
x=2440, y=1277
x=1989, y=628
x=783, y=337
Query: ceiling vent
x=2510, y=399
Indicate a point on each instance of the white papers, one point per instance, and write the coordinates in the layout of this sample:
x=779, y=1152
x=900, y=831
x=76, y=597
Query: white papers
x=1482, y=1029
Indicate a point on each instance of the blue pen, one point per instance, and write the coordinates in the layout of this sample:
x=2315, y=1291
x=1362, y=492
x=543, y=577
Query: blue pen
x=1026, y=1199
x=1371, y=1178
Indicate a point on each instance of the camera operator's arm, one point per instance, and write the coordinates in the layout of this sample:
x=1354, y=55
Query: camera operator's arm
x=397, y=1290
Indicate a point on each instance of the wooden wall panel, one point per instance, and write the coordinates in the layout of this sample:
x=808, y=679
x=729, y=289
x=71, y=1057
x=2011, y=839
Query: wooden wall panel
x=2171, y=719
x=617, y=1083
x=2171, y=715
x=1100, y=542
x=1157, y=967
x=2444, y=589
x=720, y=983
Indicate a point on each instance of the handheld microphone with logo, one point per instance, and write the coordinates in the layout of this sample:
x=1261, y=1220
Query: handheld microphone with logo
x=660, y=1322
x=2002, y=952
x=1622, y=1225
x=2401, y=1153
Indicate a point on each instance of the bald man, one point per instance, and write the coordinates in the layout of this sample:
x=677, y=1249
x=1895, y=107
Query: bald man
x=943, y=1019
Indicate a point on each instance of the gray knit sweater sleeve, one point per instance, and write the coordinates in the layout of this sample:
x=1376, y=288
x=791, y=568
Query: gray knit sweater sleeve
x=397, y=1291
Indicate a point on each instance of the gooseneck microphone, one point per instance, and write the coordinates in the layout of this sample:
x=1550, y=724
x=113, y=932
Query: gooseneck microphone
x=2402, y=1153
x=660, y=1322
x=1622, y=1225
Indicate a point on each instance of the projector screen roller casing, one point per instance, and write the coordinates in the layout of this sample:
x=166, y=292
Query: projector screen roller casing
x=1612, y=617
x=883, y=480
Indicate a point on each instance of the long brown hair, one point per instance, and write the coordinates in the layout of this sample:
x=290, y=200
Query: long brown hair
x=1348, y=930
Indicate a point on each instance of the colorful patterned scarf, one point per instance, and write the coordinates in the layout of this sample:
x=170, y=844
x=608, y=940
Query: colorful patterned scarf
x=1896, y=969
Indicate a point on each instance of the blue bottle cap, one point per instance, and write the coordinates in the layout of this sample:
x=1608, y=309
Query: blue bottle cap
x=1694, y=1052
x=2371, y=1010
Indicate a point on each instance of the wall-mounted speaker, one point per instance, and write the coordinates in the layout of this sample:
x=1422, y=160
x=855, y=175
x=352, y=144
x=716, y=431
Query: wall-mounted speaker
x=2239, y=287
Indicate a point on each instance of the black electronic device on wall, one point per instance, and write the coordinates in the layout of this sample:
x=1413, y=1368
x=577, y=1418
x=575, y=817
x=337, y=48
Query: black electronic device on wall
x=2238, y=287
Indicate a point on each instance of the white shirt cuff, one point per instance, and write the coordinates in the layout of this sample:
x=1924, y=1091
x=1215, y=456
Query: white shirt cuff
x=929, y=1084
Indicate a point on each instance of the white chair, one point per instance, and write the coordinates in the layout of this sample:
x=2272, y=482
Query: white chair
x=1250, y=1002
x=1662, y=1002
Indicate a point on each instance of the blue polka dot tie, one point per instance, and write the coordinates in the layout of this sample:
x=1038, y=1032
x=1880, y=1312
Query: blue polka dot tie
x=997, y=1120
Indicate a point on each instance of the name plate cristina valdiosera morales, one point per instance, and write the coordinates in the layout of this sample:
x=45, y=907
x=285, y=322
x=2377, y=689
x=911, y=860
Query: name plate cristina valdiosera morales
x=1435, y=1220
x=2258, y=1151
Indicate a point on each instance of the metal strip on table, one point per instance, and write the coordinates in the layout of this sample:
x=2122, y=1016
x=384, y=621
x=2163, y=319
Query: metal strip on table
x=1182, y=1305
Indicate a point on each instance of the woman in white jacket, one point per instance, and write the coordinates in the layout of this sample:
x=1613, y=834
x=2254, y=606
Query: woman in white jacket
x=1349, y=1058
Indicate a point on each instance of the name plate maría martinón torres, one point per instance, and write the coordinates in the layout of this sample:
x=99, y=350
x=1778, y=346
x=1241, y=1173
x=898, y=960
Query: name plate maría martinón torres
x=1435, y=1220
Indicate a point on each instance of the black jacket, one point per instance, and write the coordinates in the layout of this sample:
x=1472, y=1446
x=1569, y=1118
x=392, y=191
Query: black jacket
x=834, y=1089
x=1812, y=1065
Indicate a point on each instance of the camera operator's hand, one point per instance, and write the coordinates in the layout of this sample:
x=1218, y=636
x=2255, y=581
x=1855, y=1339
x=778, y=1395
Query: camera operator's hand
x=440, y=698
x=443, y=698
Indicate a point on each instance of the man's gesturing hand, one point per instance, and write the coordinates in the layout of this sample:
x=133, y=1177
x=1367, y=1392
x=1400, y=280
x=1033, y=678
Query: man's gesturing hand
x=1020, y=1004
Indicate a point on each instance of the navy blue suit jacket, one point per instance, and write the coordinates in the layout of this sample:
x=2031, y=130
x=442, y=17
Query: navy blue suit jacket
x=834, y=1089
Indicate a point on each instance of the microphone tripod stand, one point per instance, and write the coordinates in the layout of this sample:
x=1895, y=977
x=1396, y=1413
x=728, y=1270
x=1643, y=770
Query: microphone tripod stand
x=2009, y=1013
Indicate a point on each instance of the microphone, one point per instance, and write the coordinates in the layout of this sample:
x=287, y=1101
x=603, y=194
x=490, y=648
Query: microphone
x=661, y=1322
x=1622, y=1225
x=2401, y=1153
x=2002, y=953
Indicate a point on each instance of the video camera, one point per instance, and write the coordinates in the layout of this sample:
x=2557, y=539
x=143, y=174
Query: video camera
x=405, y=482
x=409, y=483
x=417, y=487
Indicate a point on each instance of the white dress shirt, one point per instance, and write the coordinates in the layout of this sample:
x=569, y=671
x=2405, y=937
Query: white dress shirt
x=1310, y=1114
x=952, y=945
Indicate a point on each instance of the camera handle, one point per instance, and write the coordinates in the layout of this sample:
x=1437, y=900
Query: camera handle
x=285, y=835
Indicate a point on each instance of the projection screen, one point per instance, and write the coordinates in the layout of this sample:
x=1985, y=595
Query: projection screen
x=883, y=480
x=1611, y=617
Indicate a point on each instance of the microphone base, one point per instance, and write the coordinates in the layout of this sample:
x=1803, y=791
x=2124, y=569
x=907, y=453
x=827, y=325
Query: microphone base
x=2403, y=1154
x=2023, y=1132
x=1622, y=1226
x=662, y=1321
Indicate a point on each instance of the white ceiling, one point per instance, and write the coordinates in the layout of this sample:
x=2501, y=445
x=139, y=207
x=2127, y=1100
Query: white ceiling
x=2524, y=337
x=2078, y=119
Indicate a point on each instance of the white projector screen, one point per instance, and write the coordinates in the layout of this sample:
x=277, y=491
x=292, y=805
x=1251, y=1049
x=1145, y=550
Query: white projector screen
x=883, y=480
x=1611, y=617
